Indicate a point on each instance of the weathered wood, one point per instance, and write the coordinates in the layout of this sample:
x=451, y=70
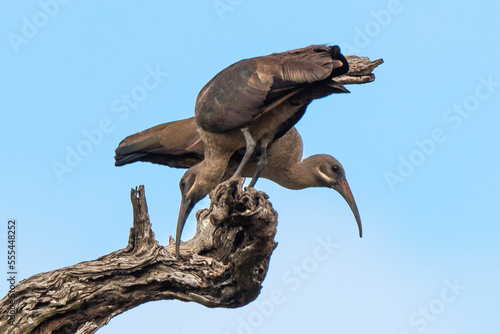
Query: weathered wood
x=222, y=266
x=360, y=71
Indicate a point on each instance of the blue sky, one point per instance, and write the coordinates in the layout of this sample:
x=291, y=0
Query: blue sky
x=419, y=146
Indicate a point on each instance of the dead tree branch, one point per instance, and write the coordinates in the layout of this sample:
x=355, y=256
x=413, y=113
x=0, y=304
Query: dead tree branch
x=360, y=71
x=222, y=266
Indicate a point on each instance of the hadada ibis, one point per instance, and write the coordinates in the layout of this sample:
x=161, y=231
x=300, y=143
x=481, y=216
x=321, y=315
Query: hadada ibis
x=178, y=144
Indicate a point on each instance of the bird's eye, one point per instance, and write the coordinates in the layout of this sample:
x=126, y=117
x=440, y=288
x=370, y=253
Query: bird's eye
x=335, y=169
x=182, y=184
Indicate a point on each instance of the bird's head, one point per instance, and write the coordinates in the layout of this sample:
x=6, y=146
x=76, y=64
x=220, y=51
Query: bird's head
x=328, y=172
x=194, y=187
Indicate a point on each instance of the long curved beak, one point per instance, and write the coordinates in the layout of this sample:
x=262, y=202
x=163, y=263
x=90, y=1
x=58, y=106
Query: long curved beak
x=187, y=205
x=343, y=189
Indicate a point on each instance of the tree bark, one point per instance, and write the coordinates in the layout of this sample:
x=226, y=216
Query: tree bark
x=360, y=71
x=223, y=265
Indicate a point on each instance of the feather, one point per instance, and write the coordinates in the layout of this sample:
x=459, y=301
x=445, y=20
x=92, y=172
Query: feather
x=243, y=91
x=176, y=144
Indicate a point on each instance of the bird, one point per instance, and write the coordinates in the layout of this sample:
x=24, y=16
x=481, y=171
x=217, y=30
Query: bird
x=250, y=104
x=178, y=144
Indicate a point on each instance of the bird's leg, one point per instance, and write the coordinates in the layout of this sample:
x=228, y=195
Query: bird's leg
x=248, y=153
x=260, y=165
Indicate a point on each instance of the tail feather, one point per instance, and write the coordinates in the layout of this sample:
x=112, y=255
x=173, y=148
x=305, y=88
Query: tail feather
x=121, y=160
x=132, y=145
x=135, y=147
x=174, y=144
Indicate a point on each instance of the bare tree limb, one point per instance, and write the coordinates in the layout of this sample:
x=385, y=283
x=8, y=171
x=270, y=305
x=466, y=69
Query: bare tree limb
x=360, y=70
x=222, y=266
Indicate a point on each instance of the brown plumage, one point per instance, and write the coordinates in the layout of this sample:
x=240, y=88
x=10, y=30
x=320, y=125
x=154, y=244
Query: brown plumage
x=239, y=94
x=176, y=144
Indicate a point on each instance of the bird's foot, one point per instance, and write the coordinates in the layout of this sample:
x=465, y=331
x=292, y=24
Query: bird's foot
x=234, y=186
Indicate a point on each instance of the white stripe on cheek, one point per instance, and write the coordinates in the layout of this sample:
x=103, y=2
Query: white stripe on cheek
x=324, y=176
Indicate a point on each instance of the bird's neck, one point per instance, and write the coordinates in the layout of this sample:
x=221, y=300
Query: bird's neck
x=212, y=170
x=296, y=176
